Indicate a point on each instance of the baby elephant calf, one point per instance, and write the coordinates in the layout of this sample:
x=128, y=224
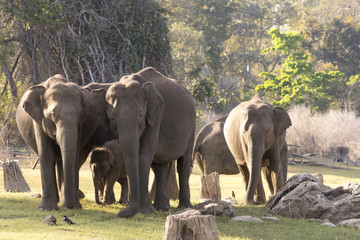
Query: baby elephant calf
x=107, y=167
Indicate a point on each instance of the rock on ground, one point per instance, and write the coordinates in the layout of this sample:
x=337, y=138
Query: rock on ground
x=49, y=220
x=304, y=196
x=350, y=223
x=216, y=208
x=247, y=219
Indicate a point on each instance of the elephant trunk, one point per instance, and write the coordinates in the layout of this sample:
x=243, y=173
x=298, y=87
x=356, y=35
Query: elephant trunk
x=97, y=182
x=255, y=154
x=129, y=147
x=68, y=142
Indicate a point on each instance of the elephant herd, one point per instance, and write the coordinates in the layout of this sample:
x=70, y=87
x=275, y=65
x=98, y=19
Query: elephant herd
x=144, y=121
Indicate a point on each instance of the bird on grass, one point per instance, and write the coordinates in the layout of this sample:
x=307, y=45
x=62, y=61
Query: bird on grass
x=233, y=194
x=66, y=219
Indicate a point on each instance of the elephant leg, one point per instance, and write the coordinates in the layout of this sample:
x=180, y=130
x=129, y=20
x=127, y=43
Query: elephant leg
x=109, y=197
x=184, y=169
x=246, y=179
x=260, y=193
x=284, y=160
x=245, y=175
x=100, y=192
x=124, y=196
x=267, y=175
x=146, y=205
x=78, y=193
x=173, y=188
x=47, y=167
x=161, y=202
x=112, y=199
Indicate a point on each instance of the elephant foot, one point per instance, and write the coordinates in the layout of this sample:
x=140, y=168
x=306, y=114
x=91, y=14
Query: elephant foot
x=252, y=202
x=112, y=201
x=164, y=206
x=260, y=200
x=147, y=210
x=48, y=206
x=129, y=211
x=76, y=206
x=122, y=201
x=184, y=204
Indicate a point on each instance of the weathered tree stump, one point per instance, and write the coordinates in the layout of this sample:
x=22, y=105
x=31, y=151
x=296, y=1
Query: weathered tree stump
x=190, y=225
x=210, y=187
x=14, y=180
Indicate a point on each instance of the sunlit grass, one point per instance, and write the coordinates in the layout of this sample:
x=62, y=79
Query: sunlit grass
x=20, y=219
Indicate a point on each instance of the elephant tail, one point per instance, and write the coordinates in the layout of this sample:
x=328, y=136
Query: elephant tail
x=196, y=153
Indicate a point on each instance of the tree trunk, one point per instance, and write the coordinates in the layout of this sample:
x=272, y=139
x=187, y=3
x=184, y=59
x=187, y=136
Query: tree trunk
x=190, y=225
x=210, y=187
x=14, y=180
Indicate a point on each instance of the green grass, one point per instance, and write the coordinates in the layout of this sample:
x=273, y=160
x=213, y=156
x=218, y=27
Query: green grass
x=20, y=219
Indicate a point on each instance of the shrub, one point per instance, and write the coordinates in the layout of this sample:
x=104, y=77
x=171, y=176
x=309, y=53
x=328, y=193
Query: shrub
x=323, y=133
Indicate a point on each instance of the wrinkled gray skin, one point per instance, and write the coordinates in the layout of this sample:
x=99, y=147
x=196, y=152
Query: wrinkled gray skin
x=57, y=120
x=154, y=117
x=213, y=155
x=255, y=134
x=108, y=167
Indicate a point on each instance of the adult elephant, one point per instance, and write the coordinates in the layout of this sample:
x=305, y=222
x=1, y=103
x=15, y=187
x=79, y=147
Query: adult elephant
x=154, y=118
x=211, y=151
x=212, y=154
x=57, y=120
x=255, y=134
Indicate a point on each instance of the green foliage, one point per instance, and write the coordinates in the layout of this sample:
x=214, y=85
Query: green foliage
x=87, y=40
x=43, y=12
x=297, y=82
x=8, y=129
x=202, y=89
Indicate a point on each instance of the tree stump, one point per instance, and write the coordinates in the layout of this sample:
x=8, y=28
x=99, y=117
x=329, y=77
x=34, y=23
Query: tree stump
x=190, y=225
x=14, y=180
x=210, y=187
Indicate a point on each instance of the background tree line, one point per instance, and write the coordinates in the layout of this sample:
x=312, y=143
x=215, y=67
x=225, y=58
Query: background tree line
x=224, y=51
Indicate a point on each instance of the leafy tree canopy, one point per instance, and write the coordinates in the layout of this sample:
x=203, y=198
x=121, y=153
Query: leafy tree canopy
x=297, y=81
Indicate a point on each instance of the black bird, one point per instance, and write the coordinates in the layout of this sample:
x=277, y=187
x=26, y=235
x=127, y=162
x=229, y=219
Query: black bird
x=233, y=194
x=66, y=219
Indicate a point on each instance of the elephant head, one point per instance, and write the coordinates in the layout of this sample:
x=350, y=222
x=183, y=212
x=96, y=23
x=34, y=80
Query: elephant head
x=101, y=161
x=133, y=107
x=61, y=111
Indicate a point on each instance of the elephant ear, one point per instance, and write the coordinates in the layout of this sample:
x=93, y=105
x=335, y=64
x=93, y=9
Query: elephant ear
x=98, y=102
x=109, y=159
x=103, y=156
x=33, y=103
x=155, y=103
x=282, y=120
